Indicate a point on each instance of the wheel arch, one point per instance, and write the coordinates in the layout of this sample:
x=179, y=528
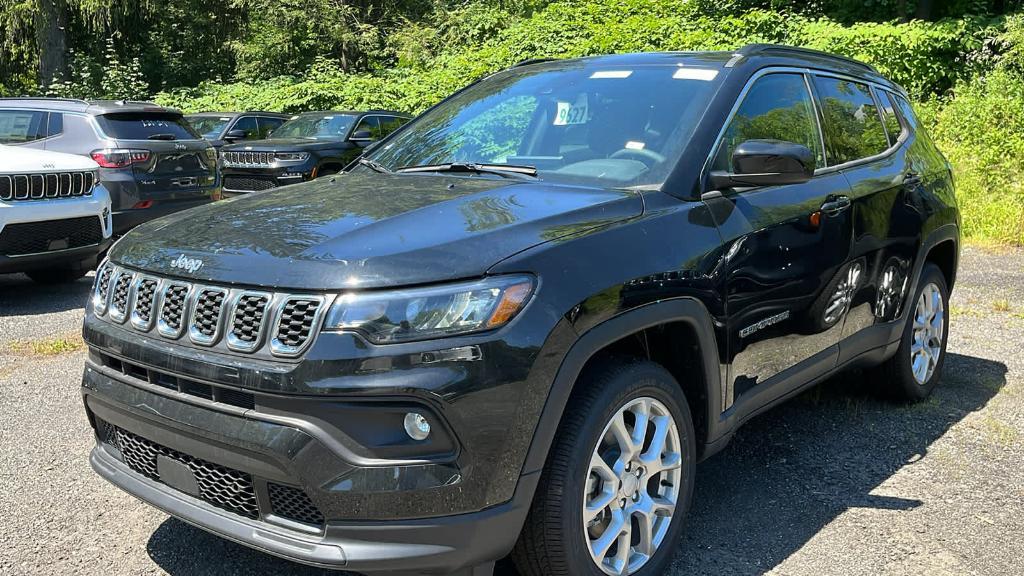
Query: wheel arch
x=604, y=338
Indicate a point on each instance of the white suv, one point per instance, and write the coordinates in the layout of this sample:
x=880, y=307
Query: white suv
x=54, y=215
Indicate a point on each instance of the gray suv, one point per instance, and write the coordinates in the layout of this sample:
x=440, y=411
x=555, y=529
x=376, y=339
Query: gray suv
x=151, y=160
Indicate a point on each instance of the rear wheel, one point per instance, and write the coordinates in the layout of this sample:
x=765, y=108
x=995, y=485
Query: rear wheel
x=57, y=275
x=618, y=480
x=914, y=371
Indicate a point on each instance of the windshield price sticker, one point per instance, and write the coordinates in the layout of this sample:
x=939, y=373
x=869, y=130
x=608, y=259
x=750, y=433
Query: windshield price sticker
x=569, y=113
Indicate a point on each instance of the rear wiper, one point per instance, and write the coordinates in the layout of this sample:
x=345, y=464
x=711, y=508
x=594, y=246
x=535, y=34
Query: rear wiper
x=373, y=165
x=503, y=170
x=162, y=137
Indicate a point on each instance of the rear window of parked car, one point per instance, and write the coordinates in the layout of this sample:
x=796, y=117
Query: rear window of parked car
x=146, y=126
x=853, y=127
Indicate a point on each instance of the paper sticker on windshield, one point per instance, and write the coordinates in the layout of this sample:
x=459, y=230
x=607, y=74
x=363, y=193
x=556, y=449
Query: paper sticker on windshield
x=572, y=112
x=695, y=74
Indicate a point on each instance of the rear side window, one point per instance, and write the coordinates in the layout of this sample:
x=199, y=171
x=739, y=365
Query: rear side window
x=889, y=115
x=146, y=126
x=853, y=127
x=20, y=126
x=56, y=124
x=777, y=107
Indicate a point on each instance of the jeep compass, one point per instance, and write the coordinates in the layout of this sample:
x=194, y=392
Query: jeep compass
x=518, y=323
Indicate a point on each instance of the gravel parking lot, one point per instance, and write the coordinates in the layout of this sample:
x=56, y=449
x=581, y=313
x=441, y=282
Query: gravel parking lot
x=834, y=482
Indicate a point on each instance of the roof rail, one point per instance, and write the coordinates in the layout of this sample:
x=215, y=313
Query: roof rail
x=756, y=49
x=529, y=61
x=51, y=98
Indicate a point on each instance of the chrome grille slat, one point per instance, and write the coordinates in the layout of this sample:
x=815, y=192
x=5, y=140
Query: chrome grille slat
x=146, y=294
x=248, y=320
x=46, y=186
x=174, y=309
x=297, y=318
x=248, y=158
x=120, y=296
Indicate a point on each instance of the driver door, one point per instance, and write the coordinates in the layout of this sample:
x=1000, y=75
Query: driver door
x=785, y=249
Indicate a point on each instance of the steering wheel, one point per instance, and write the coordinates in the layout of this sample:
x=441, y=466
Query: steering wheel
x=648, y=157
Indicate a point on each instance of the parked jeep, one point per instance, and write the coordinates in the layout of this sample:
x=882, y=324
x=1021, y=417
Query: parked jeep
x=518, y=324
x=54, y=215
x=151, y=161
x=309, y=145
x=222, y=128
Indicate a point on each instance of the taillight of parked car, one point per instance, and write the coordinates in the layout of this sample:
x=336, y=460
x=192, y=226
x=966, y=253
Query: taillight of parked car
x=119, y=157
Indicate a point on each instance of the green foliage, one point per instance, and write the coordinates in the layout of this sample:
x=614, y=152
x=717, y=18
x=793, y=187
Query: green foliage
x=111, y=78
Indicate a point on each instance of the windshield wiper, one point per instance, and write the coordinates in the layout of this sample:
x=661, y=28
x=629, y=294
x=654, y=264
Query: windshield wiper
x=373, y=165
x=162, y=137
x=503, y=170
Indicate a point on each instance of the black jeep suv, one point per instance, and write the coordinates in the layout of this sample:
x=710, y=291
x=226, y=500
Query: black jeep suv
x=519, y=323
x=309, y=145
x=222, y=128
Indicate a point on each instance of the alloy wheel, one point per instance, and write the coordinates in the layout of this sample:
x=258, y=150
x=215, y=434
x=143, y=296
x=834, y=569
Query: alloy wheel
x=929, y=327
x=632, y=487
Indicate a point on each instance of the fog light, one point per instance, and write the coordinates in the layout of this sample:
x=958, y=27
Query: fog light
x=416, y=426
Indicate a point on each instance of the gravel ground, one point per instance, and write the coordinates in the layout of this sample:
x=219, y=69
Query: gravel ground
x=833, y=482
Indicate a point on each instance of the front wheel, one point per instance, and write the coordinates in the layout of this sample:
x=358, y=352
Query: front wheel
x=619, y=477
x=914, y=371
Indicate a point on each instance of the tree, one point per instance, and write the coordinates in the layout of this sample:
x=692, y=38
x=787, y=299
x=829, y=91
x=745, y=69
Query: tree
x=50, y=20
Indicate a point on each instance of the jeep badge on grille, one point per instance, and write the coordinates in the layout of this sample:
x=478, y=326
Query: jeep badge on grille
x=190, y=265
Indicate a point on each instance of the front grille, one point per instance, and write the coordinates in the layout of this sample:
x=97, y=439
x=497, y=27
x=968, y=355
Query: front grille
x=243, y=184
x=248, y=158
x=293, y=504
x=46, y=186
x=223, y=487
x=222, y=318
x=38, y=237
x=296, y=321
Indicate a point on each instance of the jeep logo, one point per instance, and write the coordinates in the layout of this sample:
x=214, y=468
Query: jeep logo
x=190, y=265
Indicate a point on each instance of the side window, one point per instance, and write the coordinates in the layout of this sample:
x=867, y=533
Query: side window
x=249, y=125
x=890, y=117
x=389, y=124
x=267, y=124
x=56, y=124
x=20, y=126
x=853, y=127
x=777, y=107
x=369, y=124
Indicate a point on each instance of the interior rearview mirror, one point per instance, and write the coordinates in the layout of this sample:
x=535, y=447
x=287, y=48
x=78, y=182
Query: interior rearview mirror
x=765, y=163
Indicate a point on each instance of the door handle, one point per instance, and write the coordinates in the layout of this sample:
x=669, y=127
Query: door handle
x=911, y=179
x=836, y=205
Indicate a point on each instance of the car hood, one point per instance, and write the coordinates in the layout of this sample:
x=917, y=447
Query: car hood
x=14, y=159
x=369, y=230
x=283, y=145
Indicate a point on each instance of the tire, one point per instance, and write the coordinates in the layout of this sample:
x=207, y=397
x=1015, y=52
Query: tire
x=57, y=275
x=556, y=540
x=897, y=375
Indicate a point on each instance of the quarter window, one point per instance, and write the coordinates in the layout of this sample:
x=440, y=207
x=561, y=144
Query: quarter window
x=20, y=126
x=777, y=107
x=853, y=128
x=890, y=116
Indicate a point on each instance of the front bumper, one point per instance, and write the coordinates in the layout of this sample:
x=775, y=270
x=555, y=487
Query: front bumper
x=239, y=181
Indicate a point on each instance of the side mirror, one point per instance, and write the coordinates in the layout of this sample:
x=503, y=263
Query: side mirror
x=362, y=135
x=235, y=135
x=766, y=163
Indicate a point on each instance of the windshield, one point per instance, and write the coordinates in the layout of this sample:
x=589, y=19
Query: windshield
x=326, y=126
x=604, y=125
x=209, y=127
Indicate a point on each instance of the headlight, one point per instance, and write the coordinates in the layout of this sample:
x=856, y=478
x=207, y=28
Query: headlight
x=292, y=156
x=423, y=313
